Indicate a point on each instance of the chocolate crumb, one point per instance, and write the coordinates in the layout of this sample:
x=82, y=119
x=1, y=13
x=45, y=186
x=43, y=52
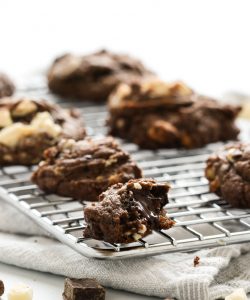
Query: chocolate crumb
x=196, y=261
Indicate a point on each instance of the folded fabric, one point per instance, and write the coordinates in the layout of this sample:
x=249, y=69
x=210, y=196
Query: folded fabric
x=169, y=275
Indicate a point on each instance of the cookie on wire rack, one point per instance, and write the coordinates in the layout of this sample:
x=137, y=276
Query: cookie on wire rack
x=228, y=173
x=28, y=127
x=155, y=114
x=128, y=212
x=93, y=76
x=84, y=169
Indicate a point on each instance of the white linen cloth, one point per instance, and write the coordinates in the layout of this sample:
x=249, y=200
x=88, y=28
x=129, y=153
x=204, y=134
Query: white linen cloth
x=220, y=271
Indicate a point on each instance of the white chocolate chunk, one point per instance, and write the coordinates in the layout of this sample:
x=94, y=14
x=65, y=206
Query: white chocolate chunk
x=5, y=118
x=20, y=292
x=110, y=161
x=12, y=134
x=67, y=144
x=238, y=294
x=136, y=236
x=158, y=88
x=137, y=186
x=44, y=122
x=24, y=108
x=123, y=90
x=69, y=65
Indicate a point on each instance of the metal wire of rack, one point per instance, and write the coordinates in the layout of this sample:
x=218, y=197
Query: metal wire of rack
x=202, y=218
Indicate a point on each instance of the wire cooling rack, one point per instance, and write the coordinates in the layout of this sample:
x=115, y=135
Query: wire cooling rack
x=202, y=218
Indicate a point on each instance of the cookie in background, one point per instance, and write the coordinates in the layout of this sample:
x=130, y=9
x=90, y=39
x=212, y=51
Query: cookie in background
x=156, y=114
x=93, y=76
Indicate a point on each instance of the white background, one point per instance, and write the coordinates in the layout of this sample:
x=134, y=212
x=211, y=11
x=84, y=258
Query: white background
x=205, y=43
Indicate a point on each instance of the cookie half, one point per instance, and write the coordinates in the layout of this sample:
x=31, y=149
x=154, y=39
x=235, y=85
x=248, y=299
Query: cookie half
x=128, y=212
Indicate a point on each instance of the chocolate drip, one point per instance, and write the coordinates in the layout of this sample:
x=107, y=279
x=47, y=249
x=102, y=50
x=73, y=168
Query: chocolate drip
x=146, y=208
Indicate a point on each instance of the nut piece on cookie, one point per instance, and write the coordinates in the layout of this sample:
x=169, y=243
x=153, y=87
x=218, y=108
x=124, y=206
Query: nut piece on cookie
x=28, y=127
x=93, y=76
x=127, y=212
x=228, y=173
x=7, y=87
x=84, y=169
x=155, y=114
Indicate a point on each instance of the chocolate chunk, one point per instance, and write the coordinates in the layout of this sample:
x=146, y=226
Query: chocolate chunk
x=86, y=288
x=155, y=114
x=1, y=288
x=228, y=173
x=93, y=76
x=28, y=127
x=128, y=212
x=84, y=169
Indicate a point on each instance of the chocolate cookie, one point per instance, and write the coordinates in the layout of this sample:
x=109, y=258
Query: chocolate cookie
x=128, y=212
x=94, y=76
x=84, y=169
x=7, y=87
x=228, y=172
x=28, y=127
x=154, y=114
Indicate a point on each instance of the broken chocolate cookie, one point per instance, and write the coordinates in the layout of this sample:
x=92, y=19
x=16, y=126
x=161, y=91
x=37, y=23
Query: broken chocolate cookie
x=84, y=169
x=155, y=114
x=28, y=127
x=128, y=212
x=228, y=173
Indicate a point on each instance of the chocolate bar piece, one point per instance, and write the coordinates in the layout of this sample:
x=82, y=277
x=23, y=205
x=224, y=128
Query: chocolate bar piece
x=85, y=288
